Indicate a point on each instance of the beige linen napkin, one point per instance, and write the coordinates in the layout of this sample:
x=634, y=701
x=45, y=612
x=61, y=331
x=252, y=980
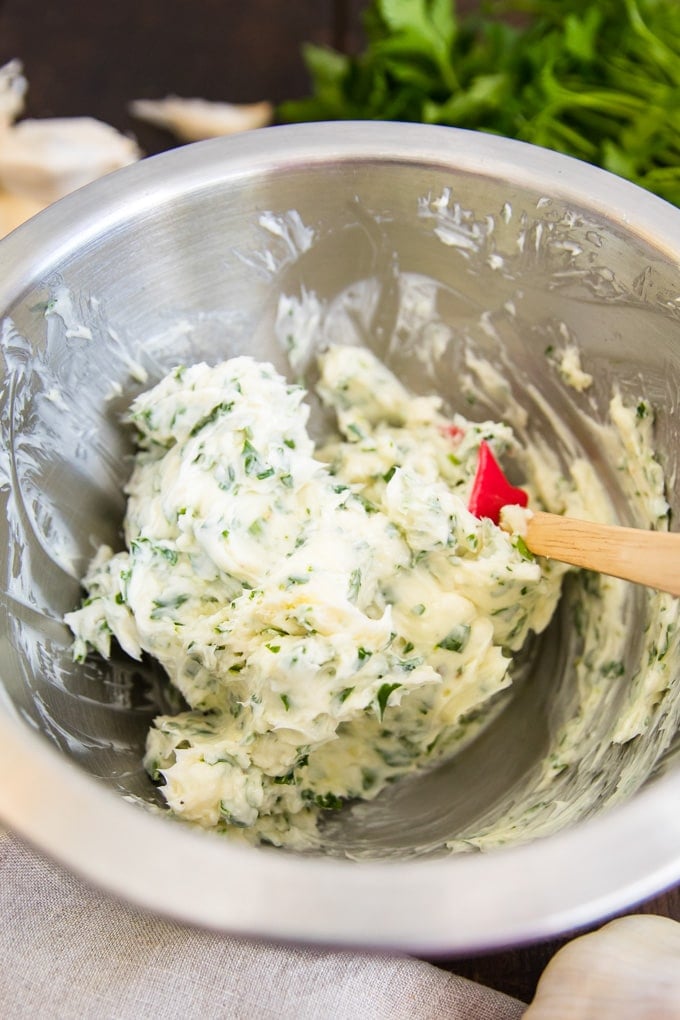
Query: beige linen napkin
x=69, y=952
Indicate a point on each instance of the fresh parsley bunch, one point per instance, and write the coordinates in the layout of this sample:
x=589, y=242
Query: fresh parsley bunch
x=597, y=79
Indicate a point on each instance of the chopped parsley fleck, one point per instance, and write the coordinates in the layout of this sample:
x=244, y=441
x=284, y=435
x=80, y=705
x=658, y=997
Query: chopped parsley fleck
x=164, y=607
x=327, y=801
x=251, y=458
x=456, y=639
x=408, y=665
x=228, y=817
x=222, y=408
x=522, y=548
x=171, y=555
x=383, y=696
x=286, y=780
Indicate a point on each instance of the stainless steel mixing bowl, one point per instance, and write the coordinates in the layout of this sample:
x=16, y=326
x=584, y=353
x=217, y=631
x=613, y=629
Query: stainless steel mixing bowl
x=185, y=256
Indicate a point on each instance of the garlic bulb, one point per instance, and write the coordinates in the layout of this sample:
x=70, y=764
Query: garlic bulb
x=628, y=970
x=46, y=159
x=43, y=160
x=192, y=120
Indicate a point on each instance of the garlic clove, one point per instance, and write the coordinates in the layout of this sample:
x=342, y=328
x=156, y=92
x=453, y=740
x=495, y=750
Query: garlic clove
x=628, y=970
x=45, y=159
x=193, y=120
x=13, y=88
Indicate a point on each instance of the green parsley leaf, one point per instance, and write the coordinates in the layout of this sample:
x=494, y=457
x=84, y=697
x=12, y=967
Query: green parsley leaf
x=597, y=79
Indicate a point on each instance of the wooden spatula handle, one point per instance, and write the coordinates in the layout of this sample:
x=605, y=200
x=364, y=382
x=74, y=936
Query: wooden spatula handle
x=647, y=557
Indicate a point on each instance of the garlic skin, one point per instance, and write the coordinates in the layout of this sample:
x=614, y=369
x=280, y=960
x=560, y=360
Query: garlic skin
x=193, y=120
x=627, y=970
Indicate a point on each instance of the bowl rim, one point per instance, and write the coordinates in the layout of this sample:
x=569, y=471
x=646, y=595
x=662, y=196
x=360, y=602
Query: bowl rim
x=459, y=904
x=155, y=181
x=454, y=905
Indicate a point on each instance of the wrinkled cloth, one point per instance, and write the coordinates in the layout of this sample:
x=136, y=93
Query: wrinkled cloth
x=68, y=952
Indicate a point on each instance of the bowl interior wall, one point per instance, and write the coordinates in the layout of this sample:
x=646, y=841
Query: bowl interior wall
x=505, y=270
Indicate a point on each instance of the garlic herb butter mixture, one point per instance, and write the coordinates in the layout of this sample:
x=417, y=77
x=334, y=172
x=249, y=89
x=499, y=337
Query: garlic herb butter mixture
x=331, y=616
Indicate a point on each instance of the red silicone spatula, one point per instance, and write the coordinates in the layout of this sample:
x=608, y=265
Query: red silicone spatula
x=646, y=557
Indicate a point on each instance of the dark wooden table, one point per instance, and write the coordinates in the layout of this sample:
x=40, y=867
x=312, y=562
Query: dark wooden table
x=87, y=58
